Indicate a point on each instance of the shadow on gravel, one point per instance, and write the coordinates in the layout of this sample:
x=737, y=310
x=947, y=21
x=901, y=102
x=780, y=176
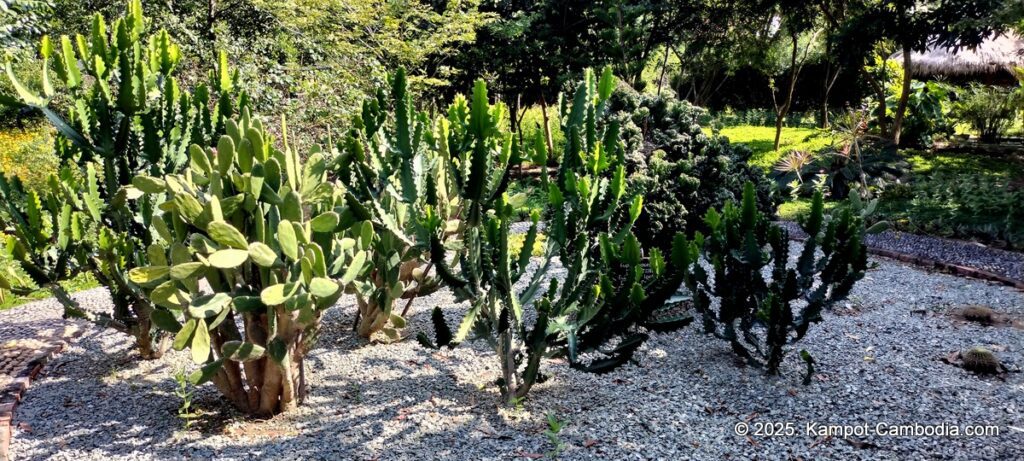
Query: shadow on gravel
x=94, y=411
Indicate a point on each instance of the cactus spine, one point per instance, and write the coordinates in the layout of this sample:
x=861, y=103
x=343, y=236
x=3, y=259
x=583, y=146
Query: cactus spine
x=126, y=115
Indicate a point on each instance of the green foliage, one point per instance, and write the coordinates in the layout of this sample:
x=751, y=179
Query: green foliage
x=859, y=163
x=555, y=425
x=587, y=227
x=989, y=110
x=185, y=392
x=124, y=114
x=386, y=161
x=243, y=219
x=927, y=106
x=759, y=140
x=760, y=316
x=21, y=22
x=729, y=118
x=959, y=203
x=682, y=171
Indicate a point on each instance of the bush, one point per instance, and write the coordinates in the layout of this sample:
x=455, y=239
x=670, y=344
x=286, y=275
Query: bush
x=682, y=171
x=953, y=204
x=250, y=255
x=118, y=110
x=861, y=162
x=989, y=110
x=927, y=106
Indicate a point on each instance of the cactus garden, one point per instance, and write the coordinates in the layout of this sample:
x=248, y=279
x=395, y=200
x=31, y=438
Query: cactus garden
x=428, y=258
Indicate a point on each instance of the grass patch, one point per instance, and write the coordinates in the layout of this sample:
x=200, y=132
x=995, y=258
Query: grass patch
x=761, y=139
x=795, y=209
x=80, y=283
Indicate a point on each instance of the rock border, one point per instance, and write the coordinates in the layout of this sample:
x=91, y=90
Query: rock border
x=954, y=269
x=934, y=264
x=11, y=395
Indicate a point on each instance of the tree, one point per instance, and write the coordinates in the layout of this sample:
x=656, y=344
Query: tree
x=914, y=25
x=796, y=32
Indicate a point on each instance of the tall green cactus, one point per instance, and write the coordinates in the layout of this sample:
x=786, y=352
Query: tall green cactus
x=264, y=230
x=385, y=160
x=587, y=211
x=118, y=111
x=755, y=314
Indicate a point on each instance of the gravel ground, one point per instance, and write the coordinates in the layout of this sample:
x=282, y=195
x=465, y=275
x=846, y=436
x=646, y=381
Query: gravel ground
x=970, y=254
x=879, y=361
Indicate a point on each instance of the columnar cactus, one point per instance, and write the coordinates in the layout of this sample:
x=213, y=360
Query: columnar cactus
x=385, y=160
x=755, y=314
x=125, y=114
x=263, y=230
x=588, y=212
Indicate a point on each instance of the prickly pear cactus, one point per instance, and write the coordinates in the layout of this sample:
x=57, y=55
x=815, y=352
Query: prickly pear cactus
x=386, y=160
x=587, y=205
x=126, y=114
x=756, y=314
x=249, y=252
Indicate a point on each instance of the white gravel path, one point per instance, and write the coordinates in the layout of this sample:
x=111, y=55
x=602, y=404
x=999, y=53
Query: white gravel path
x=879, y=361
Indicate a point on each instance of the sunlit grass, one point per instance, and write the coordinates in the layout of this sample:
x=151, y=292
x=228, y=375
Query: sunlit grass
x=761, y=140
x=82, y=282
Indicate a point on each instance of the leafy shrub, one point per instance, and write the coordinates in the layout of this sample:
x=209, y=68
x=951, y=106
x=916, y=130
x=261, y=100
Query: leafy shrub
x=953, y=204
x=989, y=110
x=763, y=117
x=760, y=316
x=927, y=106
x=681, y=171
x=532, y=125
x=860, y=162
x=388, y=149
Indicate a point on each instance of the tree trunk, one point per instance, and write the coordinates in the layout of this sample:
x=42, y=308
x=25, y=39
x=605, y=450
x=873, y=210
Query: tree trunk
x=664, y=66
x=371, y=317
x=547, y=129
x=830, y=81
x=901, y=108
x=152, y=342
x=514, y=118
x=261, y=386
x=779, y=118
x=781, y=111
x=879, y=94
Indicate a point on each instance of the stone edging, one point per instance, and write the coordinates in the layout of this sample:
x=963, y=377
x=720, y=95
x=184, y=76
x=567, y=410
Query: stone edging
x=954, y=269
x=941, y=266
x=15, y=390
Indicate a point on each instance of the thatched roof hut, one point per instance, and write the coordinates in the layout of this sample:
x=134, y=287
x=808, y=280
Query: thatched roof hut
x=993, y=61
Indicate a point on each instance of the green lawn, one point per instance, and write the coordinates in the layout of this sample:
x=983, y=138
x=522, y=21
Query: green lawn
x=760, y=139
x=82, y=282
